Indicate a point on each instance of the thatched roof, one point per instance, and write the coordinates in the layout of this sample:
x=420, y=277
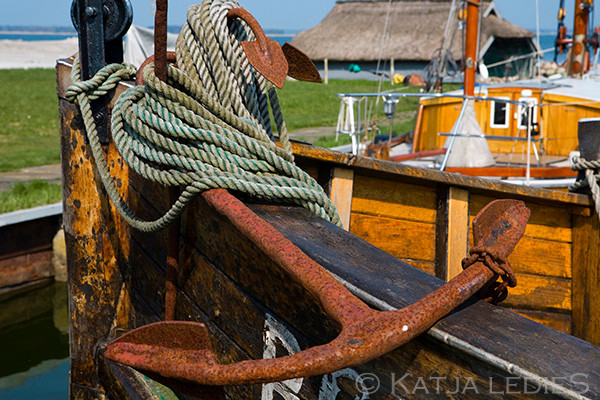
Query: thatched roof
x=352, y=31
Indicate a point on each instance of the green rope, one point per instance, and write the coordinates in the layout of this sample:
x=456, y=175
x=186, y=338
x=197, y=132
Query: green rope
x=207, y=127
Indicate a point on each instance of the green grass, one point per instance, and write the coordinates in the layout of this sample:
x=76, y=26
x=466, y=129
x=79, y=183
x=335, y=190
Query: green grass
x=29, y=129
x=306, y=105
x=28, y=195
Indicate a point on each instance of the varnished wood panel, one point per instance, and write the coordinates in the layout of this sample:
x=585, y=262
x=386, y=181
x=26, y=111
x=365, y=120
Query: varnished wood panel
x=550, y=223
x=540, y=293
x=393, y=199
x=559, y=321
x=545, y=248
x=342, y=182
x=586, y=278
x=400, y=238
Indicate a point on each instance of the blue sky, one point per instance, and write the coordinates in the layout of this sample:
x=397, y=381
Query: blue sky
x=274, y=14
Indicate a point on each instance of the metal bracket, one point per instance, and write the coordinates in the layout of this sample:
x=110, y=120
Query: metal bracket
x=101, y=25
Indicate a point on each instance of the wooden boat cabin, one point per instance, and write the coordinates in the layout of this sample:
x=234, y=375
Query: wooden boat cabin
x=559, y=105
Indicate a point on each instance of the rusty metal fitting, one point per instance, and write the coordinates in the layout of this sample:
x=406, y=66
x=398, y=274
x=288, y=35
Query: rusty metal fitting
x=182, y=350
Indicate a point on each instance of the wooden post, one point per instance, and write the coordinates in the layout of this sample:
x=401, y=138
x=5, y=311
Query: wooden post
x=97, y=242
x=586, y=249
x=342, y=184
x=578, y=51
x=471, y=42
x=392, y=71
x=586, y=278
x=326, y=73
x=452, y=232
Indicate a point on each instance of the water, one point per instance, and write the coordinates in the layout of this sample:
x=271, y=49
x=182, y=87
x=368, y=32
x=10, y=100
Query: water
x=547, y=42
x=34, y=344
x=281, y=39
x=30, y=37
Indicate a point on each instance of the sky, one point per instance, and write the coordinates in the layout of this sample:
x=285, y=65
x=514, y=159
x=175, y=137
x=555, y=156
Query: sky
x=272, y=14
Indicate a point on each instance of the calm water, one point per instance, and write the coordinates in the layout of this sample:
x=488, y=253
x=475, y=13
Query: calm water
x=34, y=344
x=30, y=37
x=34, y=36
x=547, y=42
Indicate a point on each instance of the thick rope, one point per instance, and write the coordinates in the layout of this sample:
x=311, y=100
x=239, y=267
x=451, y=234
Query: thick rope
x=207, y=127
x=581, y=164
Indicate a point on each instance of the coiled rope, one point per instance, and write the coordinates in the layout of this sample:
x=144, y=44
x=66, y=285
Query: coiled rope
x=591, y=178
x=207, y=127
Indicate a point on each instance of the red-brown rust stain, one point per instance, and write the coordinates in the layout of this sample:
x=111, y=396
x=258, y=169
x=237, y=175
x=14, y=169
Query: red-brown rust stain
x=97, y=244
x=183, y=350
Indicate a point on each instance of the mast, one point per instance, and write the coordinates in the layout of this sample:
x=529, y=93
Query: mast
x=579, y=50
x=471, y=45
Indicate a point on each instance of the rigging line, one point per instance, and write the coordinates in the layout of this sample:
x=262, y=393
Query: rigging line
x=537, y=29
x=528, y=55
x=382, y=44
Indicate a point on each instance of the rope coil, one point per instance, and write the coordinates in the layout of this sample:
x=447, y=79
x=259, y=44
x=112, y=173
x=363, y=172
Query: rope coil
x=207, y=127
x=592, y=176
x=494, y=291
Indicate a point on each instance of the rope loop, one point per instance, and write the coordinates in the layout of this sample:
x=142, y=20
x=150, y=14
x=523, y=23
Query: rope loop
x=494, y=291
x=592, y=177
x=103, y=82
x=208, y=126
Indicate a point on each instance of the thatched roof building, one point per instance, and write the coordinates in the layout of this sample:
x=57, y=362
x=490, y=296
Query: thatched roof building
x=352, y=31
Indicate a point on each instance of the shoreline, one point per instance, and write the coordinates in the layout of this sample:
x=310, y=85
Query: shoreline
x=23, y=54
x=38, y=33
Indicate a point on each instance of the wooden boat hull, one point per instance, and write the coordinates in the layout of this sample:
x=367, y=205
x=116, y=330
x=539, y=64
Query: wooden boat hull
x=26, y=247
x=423, y=217
x=116, y=282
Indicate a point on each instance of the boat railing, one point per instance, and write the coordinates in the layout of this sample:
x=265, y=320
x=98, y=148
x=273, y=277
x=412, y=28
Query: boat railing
x=526, y=107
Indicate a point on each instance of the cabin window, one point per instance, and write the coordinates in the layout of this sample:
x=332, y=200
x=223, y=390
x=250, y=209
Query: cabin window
x=523, y=109
x=500, y=112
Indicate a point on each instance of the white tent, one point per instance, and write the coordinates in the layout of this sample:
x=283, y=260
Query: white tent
x=139, y=44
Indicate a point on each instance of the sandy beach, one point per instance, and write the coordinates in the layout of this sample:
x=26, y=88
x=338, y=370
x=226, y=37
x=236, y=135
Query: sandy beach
x=35, y=54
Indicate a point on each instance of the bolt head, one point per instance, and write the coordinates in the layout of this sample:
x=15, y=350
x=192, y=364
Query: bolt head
x=90, y=11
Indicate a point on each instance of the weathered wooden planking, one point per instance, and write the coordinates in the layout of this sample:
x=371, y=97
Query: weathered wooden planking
x=555, y=320
x=310, y=155
x=402, y=239
x=393, y=199
x=540, y=349
x=545, y=248
x=28, y=237
x=342, y=182
x=586, y=278
x=97, y=246
x=26, y=268
x=540, y=293
x=149, y=285
x=220, y=297
x=451, y=231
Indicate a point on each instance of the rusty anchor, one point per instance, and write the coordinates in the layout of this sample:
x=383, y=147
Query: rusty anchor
x=182, y=350
x=301, y=66
x=271, y=60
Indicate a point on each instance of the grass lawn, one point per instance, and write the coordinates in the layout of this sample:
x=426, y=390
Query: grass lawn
x=307, y=105
x=29, y=128
x=29, y=194
x=29, y=132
